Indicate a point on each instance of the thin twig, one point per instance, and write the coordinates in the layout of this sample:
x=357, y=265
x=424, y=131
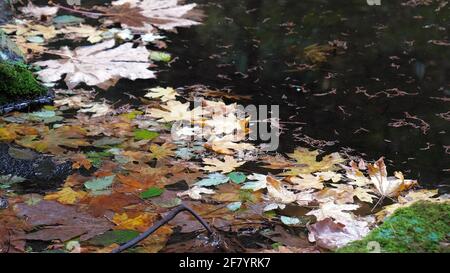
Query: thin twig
x=87, y=13
x=159, y=224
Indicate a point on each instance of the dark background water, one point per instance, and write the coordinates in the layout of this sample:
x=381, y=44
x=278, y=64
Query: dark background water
x=255, y=47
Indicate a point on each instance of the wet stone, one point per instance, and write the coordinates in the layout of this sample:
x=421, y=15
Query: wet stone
x=42, y=172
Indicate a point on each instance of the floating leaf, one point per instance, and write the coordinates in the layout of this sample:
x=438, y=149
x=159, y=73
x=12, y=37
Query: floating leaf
x=111, y=64
x=159, y=56
x=213, y=179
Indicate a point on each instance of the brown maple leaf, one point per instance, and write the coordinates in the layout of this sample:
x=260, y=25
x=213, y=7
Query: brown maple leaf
x=116, y=202
x=60, y=222
x=125, y=14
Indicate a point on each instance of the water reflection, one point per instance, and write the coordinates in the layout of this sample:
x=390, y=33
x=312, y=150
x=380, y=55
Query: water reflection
x=387, y=70
x=384, y=81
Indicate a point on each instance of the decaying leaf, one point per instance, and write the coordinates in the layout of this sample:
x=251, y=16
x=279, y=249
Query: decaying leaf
x=60, y=222
x=328, y=234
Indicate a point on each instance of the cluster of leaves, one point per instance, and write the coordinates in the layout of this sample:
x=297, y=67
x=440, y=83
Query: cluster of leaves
x=104, y=64
x=133, y=165
x=138, y=169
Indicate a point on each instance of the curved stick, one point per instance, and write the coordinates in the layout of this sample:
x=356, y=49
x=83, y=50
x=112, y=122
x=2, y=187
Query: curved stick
x=160, y=223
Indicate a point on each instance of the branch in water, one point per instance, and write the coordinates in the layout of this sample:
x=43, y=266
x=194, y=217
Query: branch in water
x=159, y=224
x=90, y=14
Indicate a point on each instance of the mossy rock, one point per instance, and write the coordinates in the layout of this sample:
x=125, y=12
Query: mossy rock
x=17, y=82
x=421, y=227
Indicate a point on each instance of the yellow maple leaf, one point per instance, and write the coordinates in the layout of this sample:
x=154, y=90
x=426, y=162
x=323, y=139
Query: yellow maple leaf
x=306, y=162
x=139, y=223
x=66, y=196
x=162, y=151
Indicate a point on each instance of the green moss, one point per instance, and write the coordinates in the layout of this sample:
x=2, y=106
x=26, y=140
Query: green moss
x=17, y=82
x=422, y=227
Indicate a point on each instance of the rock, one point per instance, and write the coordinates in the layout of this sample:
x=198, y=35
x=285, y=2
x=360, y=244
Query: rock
x=3, y=203
x=42, y=172
x=421, y=227
x=5, y=11
x=18, y=86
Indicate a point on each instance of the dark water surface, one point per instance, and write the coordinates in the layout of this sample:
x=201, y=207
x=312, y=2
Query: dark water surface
x=390, y=74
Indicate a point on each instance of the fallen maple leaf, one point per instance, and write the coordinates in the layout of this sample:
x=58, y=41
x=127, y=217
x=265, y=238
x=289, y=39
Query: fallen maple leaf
x=92, y=34
x=173, y=111
x=98, y=109
x=100, y=65
x=55, y=139
x=195, y=192
x=278, y=193
x=140, y=222
x=66, y=196
x=164, y=94
x=388, y=186
x=161, y=152
x=337, y=212
x=126, y=14
x=28, y=28
x=307, y=162
x=328, y=234
x=164, y=14
x=60, y=222
x=227, y=146
x=226, y=166
x=410, y=198
x=306, y=181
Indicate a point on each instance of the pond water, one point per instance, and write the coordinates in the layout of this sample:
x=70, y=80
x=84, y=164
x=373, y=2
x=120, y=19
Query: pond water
x=384, y=92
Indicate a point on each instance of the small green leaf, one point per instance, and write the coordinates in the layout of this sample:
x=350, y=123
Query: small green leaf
x=114, y=237
x=151, y=192
x=159, y=56
x=237, y=177
x=142, y=134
